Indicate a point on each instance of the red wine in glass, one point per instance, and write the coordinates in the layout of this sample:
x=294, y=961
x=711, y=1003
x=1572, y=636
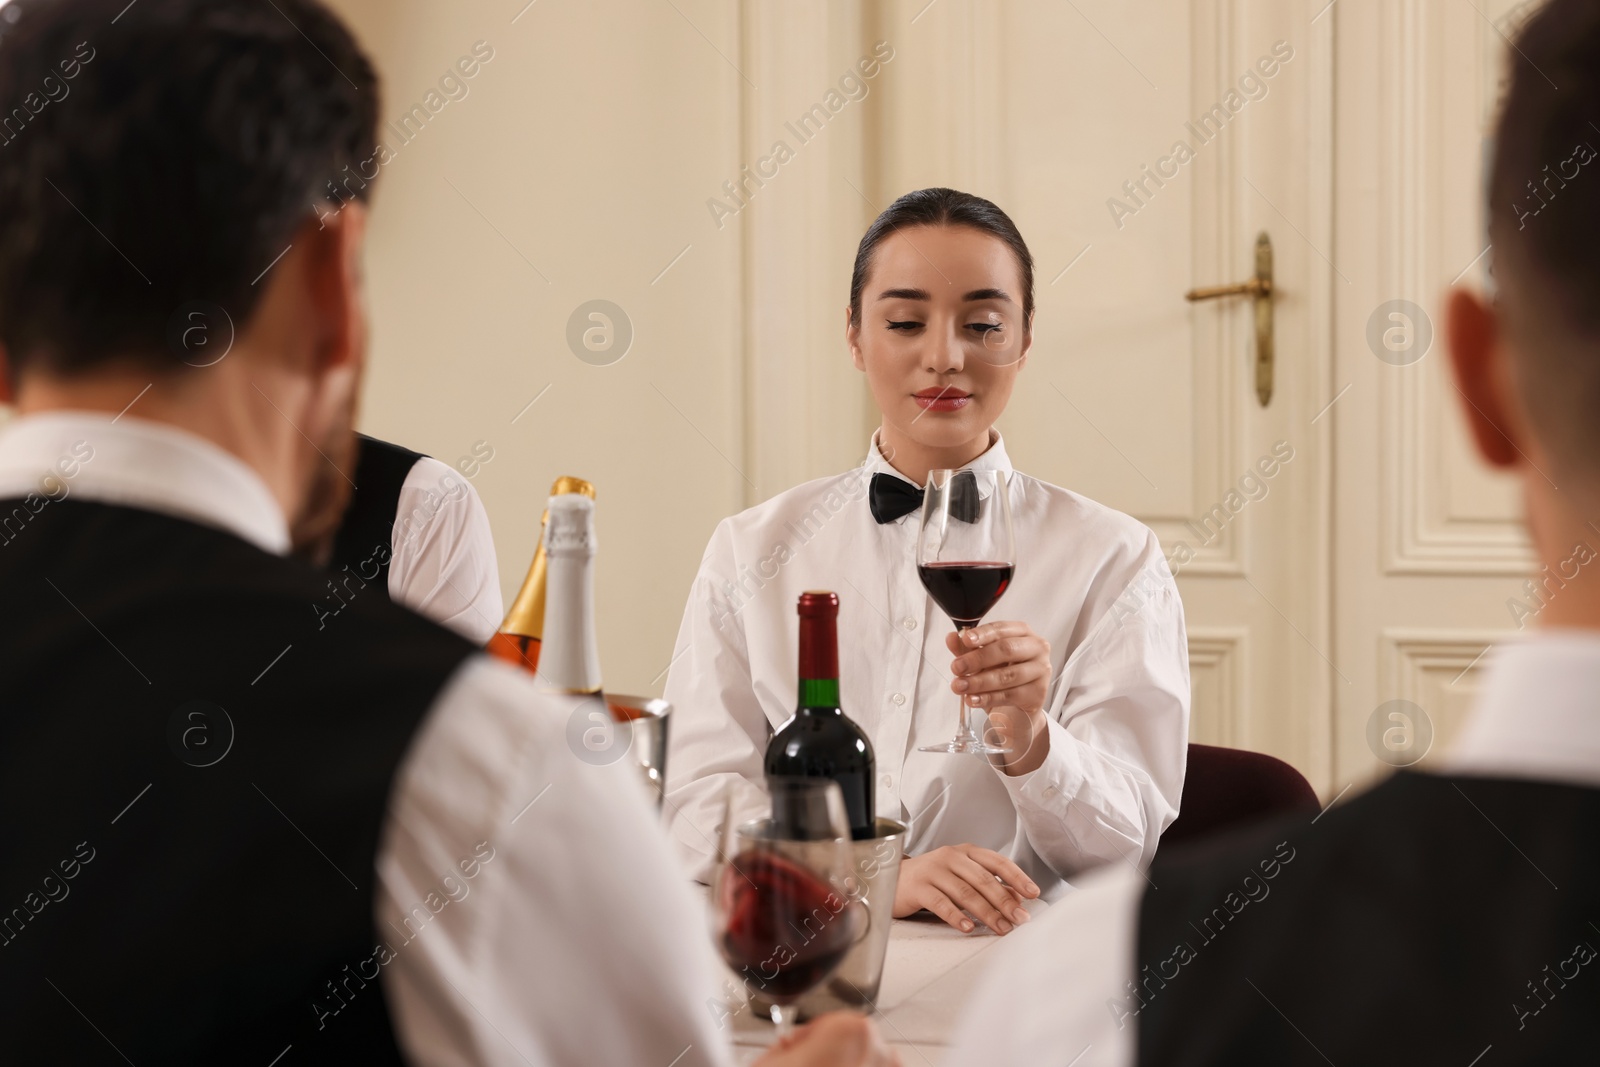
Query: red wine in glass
x=784, y=929
x=965, y=591
x=966, y=558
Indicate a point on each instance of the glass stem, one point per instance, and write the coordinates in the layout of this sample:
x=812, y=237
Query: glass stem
x=964, y=733
x=783, y=1019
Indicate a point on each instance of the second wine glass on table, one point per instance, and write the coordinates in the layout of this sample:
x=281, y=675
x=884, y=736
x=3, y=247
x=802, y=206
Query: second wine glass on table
x=966, y=558
x=781, y=912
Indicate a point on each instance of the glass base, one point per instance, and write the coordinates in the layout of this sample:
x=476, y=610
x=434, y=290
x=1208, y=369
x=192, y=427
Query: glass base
x=973, y=747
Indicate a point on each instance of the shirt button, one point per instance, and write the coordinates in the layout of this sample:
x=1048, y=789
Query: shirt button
x=899, y=698
x=1050, y=792
x=909, y=623
x=886, y=781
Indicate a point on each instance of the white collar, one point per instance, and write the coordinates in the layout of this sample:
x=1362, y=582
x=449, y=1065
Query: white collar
x=1538, y=715
x=142, y=464
x=993, y=458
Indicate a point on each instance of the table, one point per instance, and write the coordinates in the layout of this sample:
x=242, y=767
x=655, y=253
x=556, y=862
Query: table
x=927, y=976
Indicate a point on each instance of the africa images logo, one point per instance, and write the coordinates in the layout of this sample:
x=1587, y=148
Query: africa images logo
x=200, y=733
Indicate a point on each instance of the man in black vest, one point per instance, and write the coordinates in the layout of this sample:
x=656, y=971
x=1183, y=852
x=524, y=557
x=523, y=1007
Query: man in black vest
x=411, y=529
x=229, y=834
x=1450, y=917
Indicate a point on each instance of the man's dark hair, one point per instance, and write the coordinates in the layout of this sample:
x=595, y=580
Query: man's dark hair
x=1544, y=224
x=161, y=153
x=941, y=207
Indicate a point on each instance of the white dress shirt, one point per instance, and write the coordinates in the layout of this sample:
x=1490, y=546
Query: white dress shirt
x=1118, y=705
x=1536, y=719
x=443, y=564
x=574, y=939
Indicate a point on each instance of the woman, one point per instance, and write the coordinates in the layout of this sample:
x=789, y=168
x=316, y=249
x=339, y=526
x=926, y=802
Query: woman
x=1085, y=670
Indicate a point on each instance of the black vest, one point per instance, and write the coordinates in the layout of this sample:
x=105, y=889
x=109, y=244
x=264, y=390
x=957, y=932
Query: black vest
x=364, y=541
x=1427, y=921
x=194, y=769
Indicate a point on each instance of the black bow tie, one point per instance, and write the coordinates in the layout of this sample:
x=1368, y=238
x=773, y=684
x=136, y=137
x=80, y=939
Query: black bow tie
x=892, y=497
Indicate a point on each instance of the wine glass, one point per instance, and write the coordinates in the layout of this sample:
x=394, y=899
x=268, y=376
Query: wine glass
x=781, y=915
x=966, y=557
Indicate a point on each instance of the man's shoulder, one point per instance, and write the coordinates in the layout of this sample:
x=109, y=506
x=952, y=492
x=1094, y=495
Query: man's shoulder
x=176, y=567
x=1397, y=808
x=1411, y=833
x=387, y=451
x=431, y=491
x=1427, y=890
x=428, y=473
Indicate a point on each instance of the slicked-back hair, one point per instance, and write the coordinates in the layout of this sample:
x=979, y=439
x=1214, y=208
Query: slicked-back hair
x=161, y=153
x=1544, y=224
x=941, y=207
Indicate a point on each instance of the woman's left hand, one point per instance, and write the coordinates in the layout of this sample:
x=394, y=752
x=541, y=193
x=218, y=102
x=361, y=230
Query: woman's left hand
x=1003, y=668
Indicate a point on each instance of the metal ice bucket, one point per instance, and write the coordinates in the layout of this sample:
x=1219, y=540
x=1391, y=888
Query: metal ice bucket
x=646, y=720
x=872, y=882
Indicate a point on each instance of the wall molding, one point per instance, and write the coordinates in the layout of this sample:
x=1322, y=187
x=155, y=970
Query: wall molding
x=1421, y=532
x=1219, y=672
x=1409, y=655
x=1439, y=669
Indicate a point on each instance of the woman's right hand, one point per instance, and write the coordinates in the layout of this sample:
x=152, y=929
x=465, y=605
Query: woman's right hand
x=956, y=877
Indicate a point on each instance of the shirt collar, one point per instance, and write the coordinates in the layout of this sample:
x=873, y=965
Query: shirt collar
x=1538, y=715
x=994, y=458
x=141, y=464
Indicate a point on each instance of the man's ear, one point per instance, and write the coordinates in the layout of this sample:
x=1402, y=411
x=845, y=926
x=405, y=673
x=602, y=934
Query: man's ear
x=852, y=337
x=1483, y=377
x=334, y=274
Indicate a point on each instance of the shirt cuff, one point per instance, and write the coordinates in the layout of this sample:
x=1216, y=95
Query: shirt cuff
x=1052, y=784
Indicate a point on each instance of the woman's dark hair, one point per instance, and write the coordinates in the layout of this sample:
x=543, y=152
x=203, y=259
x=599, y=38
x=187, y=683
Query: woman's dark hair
x=160, y=153
x=941, y=207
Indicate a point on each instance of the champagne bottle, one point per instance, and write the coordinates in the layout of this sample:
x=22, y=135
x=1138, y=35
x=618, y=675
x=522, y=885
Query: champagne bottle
x=570, y=661
x=519, y=636
x=820, y=740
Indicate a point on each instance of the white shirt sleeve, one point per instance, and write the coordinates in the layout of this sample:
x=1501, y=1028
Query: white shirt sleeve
x=1118, y=733
x=1079, y=959
x=719, y=732
x=443, y=564
x=529, y=904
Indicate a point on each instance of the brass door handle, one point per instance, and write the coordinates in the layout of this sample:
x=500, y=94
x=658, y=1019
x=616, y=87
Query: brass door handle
x=1259, y=289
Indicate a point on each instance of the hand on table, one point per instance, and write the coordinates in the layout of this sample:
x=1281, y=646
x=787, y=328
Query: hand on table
x=1004, y=669
x=839, y=1037
x=957, y=877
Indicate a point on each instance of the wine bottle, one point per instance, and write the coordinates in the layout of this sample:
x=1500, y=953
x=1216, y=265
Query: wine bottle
x=519, y=637
x=570, y=661
x=820, y=740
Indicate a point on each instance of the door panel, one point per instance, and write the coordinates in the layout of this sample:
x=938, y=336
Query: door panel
x=1430, y=545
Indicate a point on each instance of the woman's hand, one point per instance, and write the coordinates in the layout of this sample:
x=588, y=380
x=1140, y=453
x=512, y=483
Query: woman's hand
x=1003, y=668
x=957, y=877
x=839, y=1037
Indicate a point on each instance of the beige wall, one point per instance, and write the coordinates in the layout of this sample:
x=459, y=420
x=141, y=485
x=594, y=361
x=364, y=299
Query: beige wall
x=586, y=147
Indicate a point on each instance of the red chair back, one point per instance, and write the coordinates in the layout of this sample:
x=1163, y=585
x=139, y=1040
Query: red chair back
x=1225, y=787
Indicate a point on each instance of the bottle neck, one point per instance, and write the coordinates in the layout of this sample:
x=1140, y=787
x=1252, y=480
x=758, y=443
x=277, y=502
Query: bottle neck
x=526, y=617
x=819, y=661
x=570, y=659
x=819, y=694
